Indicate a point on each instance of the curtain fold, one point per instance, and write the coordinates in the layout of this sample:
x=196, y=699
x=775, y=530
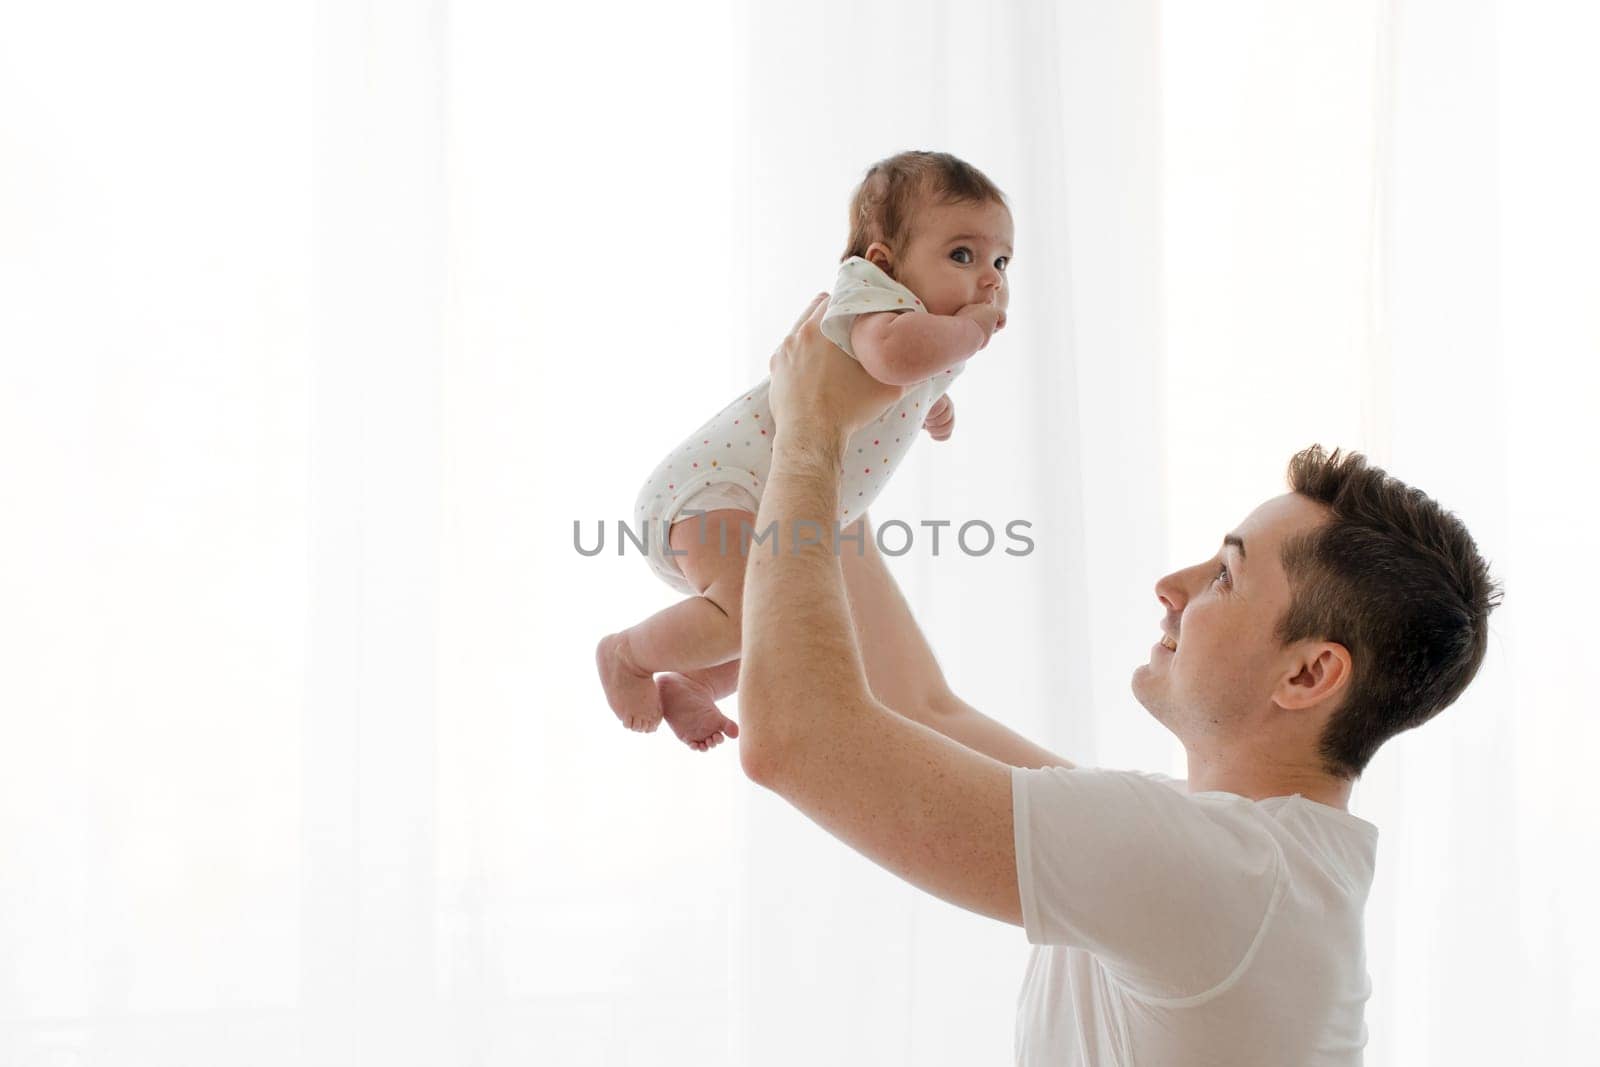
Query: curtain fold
x=1490, y=832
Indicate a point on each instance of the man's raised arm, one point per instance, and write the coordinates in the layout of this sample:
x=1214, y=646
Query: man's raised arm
x=932, y=811
x=901, y=669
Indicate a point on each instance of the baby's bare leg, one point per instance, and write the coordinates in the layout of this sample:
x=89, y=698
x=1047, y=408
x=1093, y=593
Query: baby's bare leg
x=695, y=634
x=719, y=681
x=689, y=704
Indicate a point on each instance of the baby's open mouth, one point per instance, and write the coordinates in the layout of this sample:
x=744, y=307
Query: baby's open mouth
x=1169, y=643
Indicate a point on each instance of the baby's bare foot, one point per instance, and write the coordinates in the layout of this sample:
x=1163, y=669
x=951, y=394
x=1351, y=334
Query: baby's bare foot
x=630, y=691
x=690, y=708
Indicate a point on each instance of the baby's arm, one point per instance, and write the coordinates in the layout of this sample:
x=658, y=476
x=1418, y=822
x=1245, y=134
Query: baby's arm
x=906, y=347
x=941, y=420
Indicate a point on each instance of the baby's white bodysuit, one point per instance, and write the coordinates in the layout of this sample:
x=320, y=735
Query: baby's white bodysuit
x=724, y=464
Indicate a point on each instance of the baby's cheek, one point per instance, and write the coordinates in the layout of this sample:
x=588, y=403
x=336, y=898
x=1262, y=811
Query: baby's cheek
x=948, y=302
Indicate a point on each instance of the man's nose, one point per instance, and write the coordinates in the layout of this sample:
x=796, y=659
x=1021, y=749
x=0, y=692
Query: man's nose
x=1169, y=590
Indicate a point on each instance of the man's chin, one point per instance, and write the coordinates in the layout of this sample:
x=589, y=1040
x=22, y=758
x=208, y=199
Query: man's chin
x=1145, y=688
x=1144, y=675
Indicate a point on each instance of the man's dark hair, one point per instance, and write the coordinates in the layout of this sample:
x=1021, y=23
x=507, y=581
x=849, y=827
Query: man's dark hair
x=1399, y=582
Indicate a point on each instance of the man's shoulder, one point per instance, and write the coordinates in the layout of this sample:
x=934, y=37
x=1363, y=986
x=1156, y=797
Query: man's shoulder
x=1109, y=775
x=1168, y=806
x=1177, y=785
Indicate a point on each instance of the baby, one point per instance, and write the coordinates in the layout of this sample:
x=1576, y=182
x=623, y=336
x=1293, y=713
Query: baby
x=921, y=289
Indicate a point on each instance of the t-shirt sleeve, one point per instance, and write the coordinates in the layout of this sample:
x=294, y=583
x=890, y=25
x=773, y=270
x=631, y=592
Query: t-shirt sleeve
x=1170, y=891
x=860, y=288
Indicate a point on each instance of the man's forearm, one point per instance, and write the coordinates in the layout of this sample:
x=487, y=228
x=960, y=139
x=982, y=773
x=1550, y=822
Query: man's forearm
x=902, y=671
x=801, y=664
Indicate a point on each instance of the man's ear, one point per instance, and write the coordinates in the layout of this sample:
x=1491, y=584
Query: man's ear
x=1319, y=672
x=879, y=255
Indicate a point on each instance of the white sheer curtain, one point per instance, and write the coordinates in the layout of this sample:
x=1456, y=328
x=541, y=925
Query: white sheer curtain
x=1379, y=234
x=1483, y=923
x=321, y=325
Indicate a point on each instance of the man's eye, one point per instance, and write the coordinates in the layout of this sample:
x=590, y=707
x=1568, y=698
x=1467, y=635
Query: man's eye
x=962, y=252
x=1223, y=576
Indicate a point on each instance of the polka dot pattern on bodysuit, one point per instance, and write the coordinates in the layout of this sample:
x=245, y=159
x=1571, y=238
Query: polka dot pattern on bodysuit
x=722, y=459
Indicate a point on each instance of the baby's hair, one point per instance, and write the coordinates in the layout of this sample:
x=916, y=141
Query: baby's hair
x=883, y=204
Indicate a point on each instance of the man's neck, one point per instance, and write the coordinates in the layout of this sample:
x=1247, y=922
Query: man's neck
x=1258, y=780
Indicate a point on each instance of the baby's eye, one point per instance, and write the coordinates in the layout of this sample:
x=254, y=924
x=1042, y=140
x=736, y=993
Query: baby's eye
x=1002, y=263
x=962, y=252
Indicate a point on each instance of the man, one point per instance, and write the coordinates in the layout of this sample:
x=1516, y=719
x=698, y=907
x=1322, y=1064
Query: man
x=1214, y=920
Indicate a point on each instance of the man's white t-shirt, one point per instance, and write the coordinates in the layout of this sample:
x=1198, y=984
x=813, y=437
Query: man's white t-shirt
x=1178, y=928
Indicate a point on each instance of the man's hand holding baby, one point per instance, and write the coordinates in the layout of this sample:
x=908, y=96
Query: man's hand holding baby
x=818, y=389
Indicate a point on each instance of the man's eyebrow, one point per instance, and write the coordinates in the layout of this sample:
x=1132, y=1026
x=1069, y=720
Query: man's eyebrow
x=978, y=236
x=1237, y=542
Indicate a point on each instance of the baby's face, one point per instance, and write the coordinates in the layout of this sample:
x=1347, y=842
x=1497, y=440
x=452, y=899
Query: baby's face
x=958, y=255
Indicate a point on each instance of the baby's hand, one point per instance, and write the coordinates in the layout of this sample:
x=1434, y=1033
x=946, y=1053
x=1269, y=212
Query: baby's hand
x=989, y=318
x=941, y=420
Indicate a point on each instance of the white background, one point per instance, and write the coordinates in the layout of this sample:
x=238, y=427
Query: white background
x=321, y=324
